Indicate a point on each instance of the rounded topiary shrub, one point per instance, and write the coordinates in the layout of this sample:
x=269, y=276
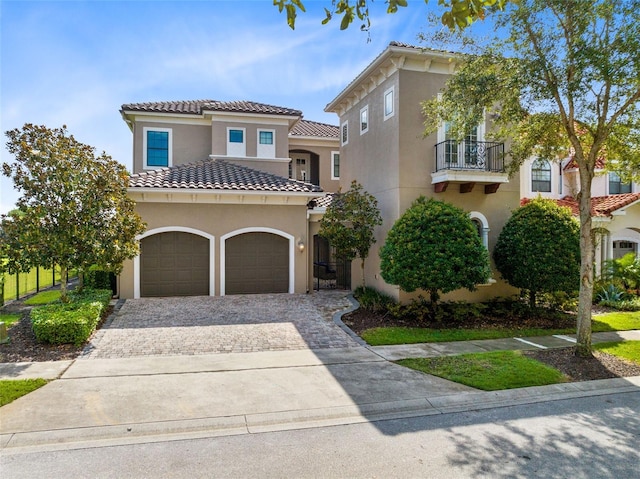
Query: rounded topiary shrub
x=538, y=249
x=434, y=246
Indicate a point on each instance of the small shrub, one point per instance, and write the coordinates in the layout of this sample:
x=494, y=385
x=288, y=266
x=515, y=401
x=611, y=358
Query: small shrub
x=373, y=300
x=623, y=305
x=89, y=295
x=609, y=293
x=65, y=323
x=73, y=322
x=97, y=279
x=560, y=300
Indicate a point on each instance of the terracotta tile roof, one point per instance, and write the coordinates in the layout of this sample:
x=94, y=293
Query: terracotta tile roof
x=218, y=175
x=197, y=107
x=600, y=162
x=315, y=129
x=322, y=201
x=600, y=205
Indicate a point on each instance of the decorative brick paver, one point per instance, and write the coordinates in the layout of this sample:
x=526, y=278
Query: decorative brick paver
x=228, y=324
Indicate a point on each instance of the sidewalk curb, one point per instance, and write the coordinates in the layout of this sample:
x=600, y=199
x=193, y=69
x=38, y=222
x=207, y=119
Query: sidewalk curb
x=163, y=431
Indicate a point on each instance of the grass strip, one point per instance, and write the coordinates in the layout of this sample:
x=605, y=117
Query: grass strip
x=43, y=297
x=12, y=389
x=629, y=350
x=10, y=319
x=488, y=371
x=619, y=321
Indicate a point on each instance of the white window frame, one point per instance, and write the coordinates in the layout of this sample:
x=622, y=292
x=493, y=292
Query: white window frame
x=365, y=111
x=237, y=149
x=144, y=147
x=333, y=157
x=344, y=126
x=484, y=234
x=266, y=151
x=387, y=92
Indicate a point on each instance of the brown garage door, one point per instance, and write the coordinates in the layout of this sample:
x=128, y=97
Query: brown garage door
x=174, y=264
x=256, y=263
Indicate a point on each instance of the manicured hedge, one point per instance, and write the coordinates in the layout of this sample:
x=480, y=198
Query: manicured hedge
x=73, y=322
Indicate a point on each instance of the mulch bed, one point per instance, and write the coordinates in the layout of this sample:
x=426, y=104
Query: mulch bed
x=23, y=347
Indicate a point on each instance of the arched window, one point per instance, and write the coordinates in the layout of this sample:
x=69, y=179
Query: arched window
x=541, y=176
x=482, y=226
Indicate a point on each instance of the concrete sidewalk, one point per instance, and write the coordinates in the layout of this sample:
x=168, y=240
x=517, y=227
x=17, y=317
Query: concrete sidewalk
x=147, y=399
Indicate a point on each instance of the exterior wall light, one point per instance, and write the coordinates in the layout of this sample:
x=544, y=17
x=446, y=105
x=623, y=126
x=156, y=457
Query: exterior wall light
x=301, y=245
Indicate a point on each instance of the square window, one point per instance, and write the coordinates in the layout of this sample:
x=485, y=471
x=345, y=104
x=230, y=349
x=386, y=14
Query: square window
x=236, y=136
x=266, y=138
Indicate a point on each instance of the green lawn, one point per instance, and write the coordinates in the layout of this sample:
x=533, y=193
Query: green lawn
x=44, y=297
x=488, y=371
x=619, y=321
x=10, y=319
x=12, y=389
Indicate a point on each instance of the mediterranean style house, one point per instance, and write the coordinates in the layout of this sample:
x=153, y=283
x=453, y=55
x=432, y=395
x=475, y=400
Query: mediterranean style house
x=224, y=188
x=615, y=204
x=233, y=192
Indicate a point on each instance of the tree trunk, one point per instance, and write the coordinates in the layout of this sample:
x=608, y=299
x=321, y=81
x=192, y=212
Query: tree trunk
x=362, y=267
x=532, y=299
x=63, y=284
x=587, y=253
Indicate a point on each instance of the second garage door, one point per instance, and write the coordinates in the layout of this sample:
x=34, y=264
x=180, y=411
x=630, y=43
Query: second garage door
x=174, y=264
x=256, y=263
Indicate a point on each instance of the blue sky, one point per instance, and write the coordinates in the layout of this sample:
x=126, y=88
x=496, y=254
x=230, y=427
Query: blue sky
x=76, y=63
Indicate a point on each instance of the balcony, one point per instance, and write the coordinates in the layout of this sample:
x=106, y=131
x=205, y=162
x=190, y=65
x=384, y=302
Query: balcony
x=469, y=163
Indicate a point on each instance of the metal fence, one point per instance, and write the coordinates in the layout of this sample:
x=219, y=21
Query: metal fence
x=470, y=155
x=20, y=284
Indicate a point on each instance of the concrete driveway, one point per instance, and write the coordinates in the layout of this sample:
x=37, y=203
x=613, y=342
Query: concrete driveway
x=228, y=324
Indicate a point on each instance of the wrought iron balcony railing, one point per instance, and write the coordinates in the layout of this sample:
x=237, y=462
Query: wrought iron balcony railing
x=470, y=155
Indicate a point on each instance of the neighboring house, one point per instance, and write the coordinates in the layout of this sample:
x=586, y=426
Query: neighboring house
x=224, y=188
x=615, y=205
x=382, y=146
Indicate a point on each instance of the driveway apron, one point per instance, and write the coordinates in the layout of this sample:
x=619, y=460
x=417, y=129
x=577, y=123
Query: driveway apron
x=228, y=324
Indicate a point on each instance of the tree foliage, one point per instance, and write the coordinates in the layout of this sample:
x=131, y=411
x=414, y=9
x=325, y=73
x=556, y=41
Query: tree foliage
x=434, y=246
x=457, y=14
x=565, y=82
x=349, y=223
x=74, y=210
x=538, y=249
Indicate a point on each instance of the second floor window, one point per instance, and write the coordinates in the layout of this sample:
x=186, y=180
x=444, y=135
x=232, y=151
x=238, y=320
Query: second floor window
x=157, y=147
x=266, y=138
x=335, y=165
x=541, y=176
x=388, y=103
x=364, y=120
x=616, y=186
x=236, y=136
x=236, y=144
x=344, y=135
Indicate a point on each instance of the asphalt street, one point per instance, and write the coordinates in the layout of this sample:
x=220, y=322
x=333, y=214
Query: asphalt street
x=590, y=437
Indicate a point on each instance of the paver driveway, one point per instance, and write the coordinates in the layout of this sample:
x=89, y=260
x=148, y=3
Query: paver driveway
x=228, y=324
